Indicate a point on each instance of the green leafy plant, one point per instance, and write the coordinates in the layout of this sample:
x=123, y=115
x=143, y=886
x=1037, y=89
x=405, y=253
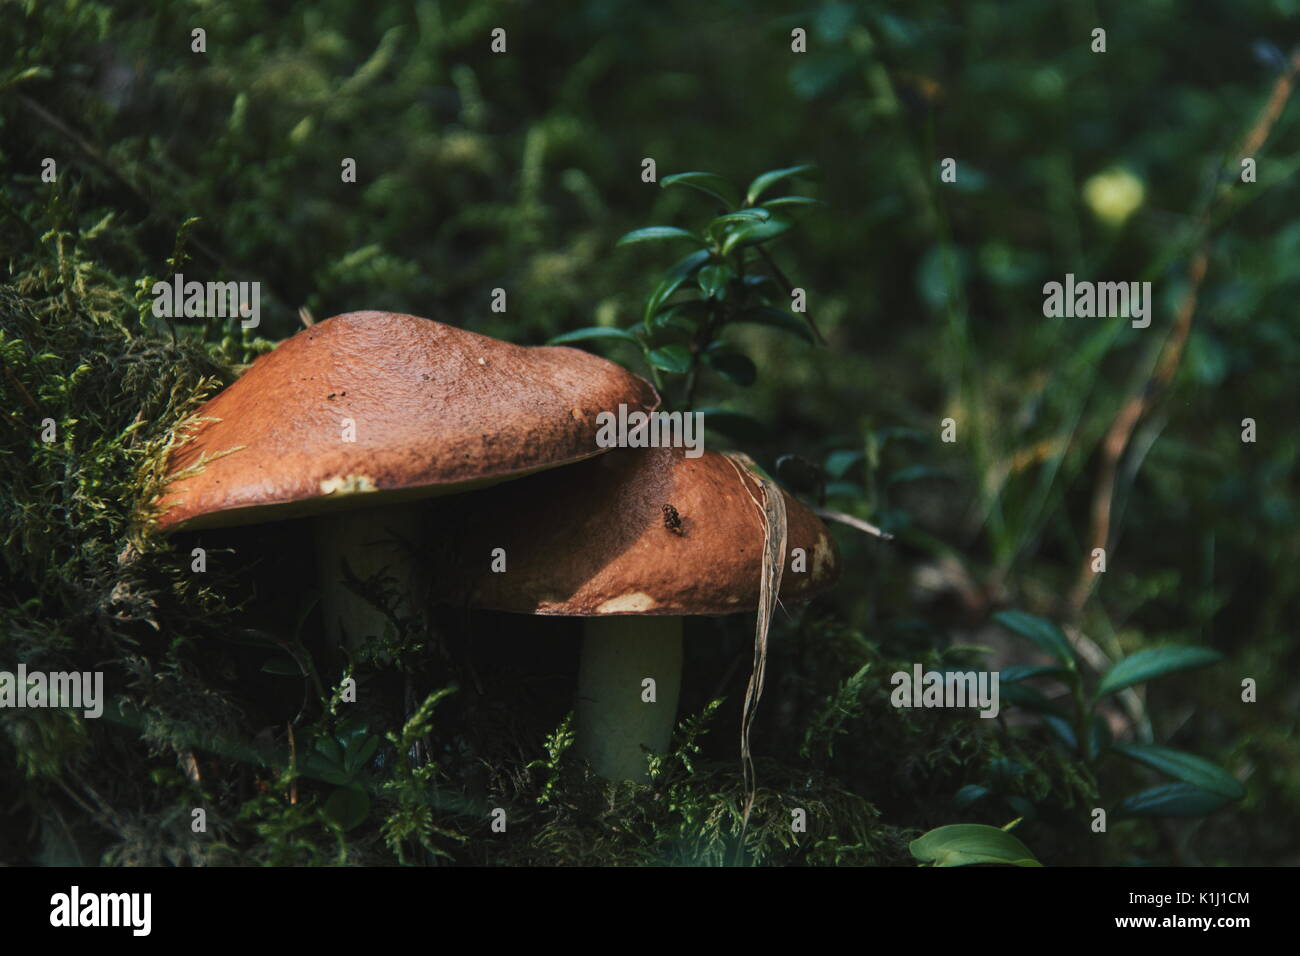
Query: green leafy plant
x=340, y=759
x=411, y=785
x=728, y=279
x=961, y=844
x=557, y=744
x=1200, y=786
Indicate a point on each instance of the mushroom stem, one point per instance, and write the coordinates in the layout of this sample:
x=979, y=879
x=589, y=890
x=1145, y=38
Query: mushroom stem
x=615, y=721
x=369, y=541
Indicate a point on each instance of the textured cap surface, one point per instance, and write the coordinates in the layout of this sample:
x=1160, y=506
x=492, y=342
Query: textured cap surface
x=637, y=531
x=431, y=409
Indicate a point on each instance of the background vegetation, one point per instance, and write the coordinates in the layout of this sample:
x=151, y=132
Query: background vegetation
x=521, y=171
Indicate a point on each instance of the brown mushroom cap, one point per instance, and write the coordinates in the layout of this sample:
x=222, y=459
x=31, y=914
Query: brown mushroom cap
x=595, y=539
x=436, y=409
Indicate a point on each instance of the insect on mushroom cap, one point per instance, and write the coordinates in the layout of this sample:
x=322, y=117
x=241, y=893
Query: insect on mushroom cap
x=637, y=531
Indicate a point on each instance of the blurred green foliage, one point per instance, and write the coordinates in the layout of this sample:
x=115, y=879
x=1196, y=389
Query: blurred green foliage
x=520, y=171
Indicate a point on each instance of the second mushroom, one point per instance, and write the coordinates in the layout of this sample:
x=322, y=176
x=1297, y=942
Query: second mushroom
x=632, y=541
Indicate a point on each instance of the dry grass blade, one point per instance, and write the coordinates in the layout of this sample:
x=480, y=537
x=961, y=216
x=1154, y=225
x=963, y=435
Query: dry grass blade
x=772, y=511
x=853, y=522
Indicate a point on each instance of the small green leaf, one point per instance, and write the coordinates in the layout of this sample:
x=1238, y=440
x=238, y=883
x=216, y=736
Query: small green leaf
x=670, y=358
x=713, y=280
x=348, y=807
x=732, y=365
x=776, y=319
x=710, y=184
x=352, y=730
x=317, y=767
x=667, y=286
x=1186, y=767
x=595, y=332
x=335, y=775
x=693, y=309
x=676, y=322
x=1156, y=662
x=681, y=271
x=652, y=233
x=770, y=178
x=1025, y=672
x=1171, y=800
x=330, y=749
x=839, y=463
x=740, y=215
x=682, y=317
x=748, y=234
x=1099, y=736
x=31, y=73
x=970, y=794
x=961, y=844
x=359, y=753
x=689, y=263
x=721, y=224
x=787, y=201
x=1063, y=729
x=1041, y=631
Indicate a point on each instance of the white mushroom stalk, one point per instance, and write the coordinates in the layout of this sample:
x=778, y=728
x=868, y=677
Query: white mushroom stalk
x=370, y=544
x=621, y=715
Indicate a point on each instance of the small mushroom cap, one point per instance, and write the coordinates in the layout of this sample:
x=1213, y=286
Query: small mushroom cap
x=637, y=531
x=375, y=407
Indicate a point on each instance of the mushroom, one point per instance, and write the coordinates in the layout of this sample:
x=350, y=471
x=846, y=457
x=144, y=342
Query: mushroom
x=355, y=417
x=632, y=541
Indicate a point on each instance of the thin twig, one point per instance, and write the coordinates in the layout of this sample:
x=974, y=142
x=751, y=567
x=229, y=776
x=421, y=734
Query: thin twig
x=22, y=389
x=1121, y=429
x=1144, y=399
x=866, y=526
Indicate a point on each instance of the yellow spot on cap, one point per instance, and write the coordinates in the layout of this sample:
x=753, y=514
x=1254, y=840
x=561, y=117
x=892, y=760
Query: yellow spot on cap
x=633, y=603
x=347, y=485
x=821, y=557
